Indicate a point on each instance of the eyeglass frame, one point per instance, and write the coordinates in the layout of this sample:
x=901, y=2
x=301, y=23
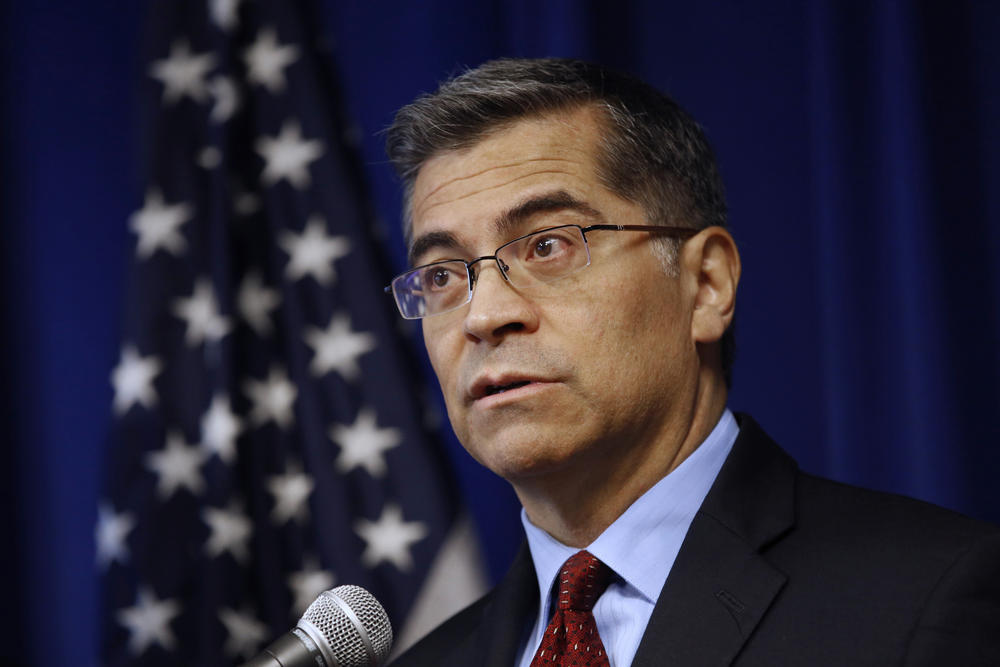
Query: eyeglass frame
x=683, y=233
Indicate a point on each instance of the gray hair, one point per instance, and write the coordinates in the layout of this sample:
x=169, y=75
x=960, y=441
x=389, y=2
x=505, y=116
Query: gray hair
x=653, y=153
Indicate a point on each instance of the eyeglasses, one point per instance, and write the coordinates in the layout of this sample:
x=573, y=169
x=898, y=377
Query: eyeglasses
x=540, y=257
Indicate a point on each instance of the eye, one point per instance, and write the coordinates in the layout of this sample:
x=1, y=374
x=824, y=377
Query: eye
x=441, y=277
x=545, y=246
x=549, y=246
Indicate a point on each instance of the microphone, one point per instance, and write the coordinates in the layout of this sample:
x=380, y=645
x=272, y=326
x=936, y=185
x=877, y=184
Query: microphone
x=344, y=627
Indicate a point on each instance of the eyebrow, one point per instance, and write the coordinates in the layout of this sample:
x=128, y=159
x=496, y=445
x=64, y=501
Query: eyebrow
x=509, y=221
x=431, y=240
x=558, y=200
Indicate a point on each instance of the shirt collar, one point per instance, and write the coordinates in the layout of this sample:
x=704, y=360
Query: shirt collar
x=641, y=545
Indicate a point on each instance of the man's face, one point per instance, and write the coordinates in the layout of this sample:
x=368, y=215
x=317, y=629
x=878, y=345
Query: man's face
x=598, y=368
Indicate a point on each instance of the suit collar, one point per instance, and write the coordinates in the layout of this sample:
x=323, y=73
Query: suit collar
x=753, y=496
x=499, y=636
x=720, y=586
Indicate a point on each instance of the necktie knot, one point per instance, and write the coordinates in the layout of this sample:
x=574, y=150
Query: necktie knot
x=581, y=581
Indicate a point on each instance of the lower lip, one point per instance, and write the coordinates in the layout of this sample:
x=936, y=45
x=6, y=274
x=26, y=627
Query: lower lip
x=511, y=395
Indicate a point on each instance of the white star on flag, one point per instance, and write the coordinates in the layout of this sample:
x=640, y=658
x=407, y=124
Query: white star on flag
x=313, y=252
x=148, y=622
x=200, y=312
x=133, y=378
x=389, y=538
x=338, y=347
x=219, y=429
x=183, y=73
x=254, y=302
x=224, y=13
x=288, y=156
x=307, y=584
x=110, y=534
x=157, y=225
x=266, y=60
x=272, y=398
x=291, y=491
x=177, y=465
x=364, y=443
x=244, y=632
x=226, y=96
x=230, y=531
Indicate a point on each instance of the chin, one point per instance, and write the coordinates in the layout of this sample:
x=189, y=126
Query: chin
x=521, y=459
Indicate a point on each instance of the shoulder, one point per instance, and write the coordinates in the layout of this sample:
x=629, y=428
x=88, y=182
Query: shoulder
x=883, y=515
x=909, y=537
x=880, y=538
x=901, y=577
x=815, y=506
x=925, y=575
x=838, y=525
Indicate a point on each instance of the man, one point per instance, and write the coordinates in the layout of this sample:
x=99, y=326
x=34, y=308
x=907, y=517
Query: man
x=576, y=286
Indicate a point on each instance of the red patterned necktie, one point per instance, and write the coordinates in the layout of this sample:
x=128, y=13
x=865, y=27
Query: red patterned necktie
x=571, y=638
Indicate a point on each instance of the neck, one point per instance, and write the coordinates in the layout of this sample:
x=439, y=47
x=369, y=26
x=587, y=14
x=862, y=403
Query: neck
x=577, y=504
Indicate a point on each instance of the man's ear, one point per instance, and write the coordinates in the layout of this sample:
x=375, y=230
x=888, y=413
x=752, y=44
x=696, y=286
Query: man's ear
x=712, y=262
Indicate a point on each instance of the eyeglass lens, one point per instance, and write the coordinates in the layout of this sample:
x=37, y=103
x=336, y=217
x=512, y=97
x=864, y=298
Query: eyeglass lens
x=542, y=256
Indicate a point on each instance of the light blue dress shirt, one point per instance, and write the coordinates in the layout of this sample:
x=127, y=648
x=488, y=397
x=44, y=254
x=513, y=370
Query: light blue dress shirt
x=640, y=547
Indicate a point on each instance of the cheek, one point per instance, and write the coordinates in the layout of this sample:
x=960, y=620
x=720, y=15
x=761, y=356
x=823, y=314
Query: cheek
x=643, y=336
x=444, y=351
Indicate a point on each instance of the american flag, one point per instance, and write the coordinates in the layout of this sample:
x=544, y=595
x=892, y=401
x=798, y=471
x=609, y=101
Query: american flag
x=267, y=440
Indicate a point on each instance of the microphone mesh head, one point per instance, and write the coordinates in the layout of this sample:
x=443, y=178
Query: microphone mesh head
x=340, y=632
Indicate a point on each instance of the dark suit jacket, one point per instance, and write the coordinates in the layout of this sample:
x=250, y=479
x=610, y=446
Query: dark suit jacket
x=783, y=568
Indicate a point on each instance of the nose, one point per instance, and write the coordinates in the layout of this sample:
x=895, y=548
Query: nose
x=497, y=309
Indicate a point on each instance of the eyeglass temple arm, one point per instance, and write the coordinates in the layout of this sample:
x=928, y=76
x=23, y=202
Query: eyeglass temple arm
x=684, y=232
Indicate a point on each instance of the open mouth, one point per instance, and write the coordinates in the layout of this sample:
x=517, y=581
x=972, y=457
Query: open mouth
x=500, y=388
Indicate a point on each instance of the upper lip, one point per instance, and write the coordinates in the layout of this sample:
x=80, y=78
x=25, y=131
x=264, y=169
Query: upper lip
x=484, y=384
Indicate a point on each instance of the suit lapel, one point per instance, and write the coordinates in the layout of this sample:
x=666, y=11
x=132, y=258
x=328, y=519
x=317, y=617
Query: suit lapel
x=720, y=586
x=501, y=630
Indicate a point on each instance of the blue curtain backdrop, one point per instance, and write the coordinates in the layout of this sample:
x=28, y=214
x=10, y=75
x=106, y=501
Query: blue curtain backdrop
x=861, y=150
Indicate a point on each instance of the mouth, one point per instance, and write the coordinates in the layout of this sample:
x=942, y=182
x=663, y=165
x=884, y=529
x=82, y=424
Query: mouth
x=494, y=389
x=494, y=384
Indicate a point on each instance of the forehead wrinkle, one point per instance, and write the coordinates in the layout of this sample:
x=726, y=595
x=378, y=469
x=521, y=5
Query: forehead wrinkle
x=545, y=202
x=459, y=179
x=491, y=187
x=496, y=167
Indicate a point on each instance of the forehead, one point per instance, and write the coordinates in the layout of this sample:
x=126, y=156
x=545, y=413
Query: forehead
x=464, y=190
